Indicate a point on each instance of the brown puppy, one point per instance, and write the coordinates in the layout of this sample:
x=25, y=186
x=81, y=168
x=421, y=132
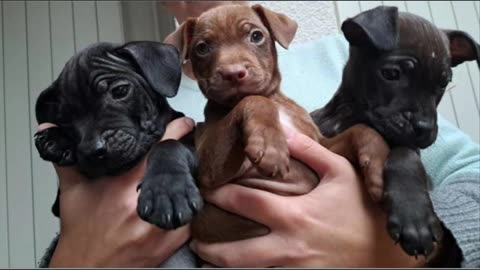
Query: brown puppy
x=233, y=57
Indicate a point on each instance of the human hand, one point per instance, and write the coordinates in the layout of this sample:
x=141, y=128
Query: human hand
x=335, y=225
x=99, y=224
x=184, y=9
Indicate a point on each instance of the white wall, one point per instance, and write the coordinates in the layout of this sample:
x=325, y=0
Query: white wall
x=36, y=39
x=314, y=18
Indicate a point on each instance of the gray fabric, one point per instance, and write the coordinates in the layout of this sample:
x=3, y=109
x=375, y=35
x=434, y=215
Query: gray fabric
x=47, y=257
x=183, y=258
x=458, y=206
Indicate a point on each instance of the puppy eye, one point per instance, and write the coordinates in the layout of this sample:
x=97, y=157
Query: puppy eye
x=408, y=64
x=120, y=91
x=256, y=37
x=391, y=73
x=202, y=49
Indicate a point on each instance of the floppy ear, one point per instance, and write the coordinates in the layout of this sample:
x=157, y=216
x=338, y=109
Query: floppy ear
x=462, y=47
x=47, y=105
x=159, y=63
x=182, y=37
x=280, y=25
x=377, y=27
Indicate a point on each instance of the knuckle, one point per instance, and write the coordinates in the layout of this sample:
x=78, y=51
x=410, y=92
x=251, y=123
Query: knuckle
x=296, y=252
x=342, y=162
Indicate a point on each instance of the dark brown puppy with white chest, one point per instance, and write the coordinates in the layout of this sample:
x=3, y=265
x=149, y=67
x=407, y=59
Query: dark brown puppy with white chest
x=233, y=57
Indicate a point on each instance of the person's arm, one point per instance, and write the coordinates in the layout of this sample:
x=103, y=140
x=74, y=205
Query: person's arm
x=99, y=224
x=453, y=162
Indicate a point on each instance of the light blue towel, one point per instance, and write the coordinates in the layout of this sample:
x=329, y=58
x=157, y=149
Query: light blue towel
x=311, y=73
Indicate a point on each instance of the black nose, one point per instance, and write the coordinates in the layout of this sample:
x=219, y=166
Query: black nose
x=422, y=126
x=100, y=150
x=94, y=150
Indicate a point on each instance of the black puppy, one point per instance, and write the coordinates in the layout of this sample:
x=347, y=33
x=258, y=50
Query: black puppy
x=397, y=72
x=109, y=104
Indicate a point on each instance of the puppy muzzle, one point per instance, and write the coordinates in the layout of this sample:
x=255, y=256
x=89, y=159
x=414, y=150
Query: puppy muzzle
x=112, y=149
x=402, y=129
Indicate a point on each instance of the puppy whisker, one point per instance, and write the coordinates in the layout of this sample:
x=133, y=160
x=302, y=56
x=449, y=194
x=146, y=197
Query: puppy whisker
x=450, y=88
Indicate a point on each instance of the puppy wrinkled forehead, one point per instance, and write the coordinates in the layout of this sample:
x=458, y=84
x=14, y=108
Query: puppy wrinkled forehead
x=234, y=19
x=424, y=38
x=80, y=72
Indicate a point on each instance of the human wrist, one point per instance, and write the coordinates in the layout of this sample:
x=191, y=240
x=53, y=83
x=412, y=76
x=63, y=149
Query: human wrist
x=64, y=256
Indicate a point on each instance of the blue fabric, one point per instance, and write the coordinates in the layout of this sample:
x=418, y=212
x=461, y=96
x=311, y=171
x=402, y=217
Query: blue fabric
x=311, y=73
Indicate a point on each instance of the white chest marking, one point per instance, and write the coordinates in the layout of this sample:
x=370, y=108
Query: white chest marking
x=285, y=119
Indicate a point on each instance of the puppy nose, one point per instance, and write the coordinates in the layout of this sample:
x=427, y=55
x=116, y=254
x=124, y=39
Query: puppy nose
x=94, y=150
x=233, y=72
x=423, y=126
x=100, y=149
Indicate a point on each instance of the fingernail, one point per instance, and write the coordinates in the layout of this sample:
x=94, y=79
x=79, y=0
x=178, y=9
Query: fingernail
x=45, y=126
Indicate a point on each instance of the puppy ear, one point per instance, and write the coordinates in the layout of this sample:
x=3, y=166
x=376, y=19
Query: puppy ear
x=377, y=27
x=47, y=105
x=159, y=63
x=280, y=25
x=462, y=47
x=182, y=37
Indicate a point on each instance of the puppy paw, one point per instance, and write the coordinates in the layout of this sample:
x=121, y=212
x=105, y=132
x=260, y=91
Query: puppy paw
x=267, y=149
x=413, y=223
x=168, y=206
x=372, y=165
x=53, y=145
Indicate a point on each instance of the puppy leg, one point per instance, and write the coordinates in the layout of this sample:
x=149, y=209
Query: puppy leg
x=251, y=130
x=411, y=219
x=55, y=146
x=169, y=197
x=265, y=143
x=364, y=148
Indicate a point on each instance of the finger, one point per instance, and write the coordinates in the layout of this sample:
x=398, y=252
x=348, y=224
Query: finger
x=178, y=128
x=67, y=176
x=171, y=241
x=264, y=251
x=310, y=152
x=258, y=205
x=44, y=126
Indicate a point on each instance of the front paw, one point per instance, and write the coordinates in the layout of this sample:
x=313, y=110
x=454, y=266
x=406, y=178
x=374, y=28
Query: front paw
x=168, y=204
x=267, y=149
x=53, y=145
x=413, y=223
x=372, y=154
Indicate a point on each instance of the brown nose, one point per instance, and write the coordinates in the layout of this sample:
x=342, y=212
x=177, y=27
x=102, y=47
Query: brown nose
x=233, y=73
